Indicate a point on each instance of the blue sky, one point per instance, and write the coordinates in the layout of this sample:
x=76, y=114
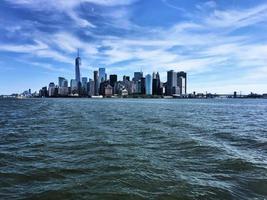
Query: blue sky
x=221, y=44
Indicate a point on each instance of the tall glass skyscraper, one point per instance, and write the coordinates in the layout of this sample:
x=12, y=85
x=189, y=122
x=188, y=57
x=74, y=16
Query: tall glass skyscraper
x=77, y=68
x=171, y=82
x=60, y=81
x=138, y=76
x=148, y=84
x=102, y=75
x=182, y=82
x=113, y=79
x=156, y=90
x=96, y=78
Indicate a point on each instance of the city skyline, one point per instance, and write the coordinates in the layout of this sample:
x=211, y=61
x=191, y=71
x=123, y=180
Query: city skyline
x=108, y=85
x=221, y=45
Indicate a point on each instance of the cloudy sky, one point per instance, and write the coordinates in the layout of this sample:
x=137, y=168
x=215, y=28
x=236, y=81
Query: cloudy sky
x=221, y=44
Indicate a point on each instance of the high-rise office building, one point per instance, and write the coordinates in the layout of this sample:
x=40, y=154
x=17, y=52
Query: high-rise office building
x=171, y=87
x=96, y=81
x=63, y=87
x=138, y=76
x=156, y=88
x=91, y=87
x=159, y=88
x=182, y=82
x=84, y=82
x=65, y=83
x=126, y=78
x=73, y=85
x=102, y=75
x=77, y=68
x=60, y=81
x=51, y=89
x=113, y=78
x=148, y=84
x=143, y=85
x=84, y=86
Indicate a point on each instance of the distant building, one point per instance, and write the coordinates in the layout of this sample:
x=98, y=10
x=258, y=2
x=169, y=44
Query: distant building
x=182, y=82
x=77, y=68
x=43, y=92
x=74, y=86
x=102, y=75
x=138, y=87
x=91, y=87
x=108, y=91
x=171, y=87
x=60, y=81
x=113, y=78
x=51, y=89
x=102, y=87
x=143, y=85
x=138, y=76
x=96, y=81
x=63, y=91
x=84, y=81
x=65, y=83
x=148, y=84
x=84, y=86
x=62, y=86
x=156, y=87
x=126, y=78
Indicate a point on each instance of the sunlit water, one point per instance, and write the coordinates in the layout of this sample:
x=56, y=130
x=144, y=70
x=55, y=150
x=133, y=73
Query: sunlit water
x=133, y=149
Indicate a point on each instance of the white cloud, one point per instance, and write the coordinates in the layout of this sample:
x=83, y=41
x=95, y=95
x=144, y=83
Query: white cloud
x=237, y=18
x=205, y=44
x=39, y=49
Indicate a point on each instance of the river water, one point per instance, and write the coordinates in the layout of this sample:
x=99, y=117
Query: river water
x=133, y=149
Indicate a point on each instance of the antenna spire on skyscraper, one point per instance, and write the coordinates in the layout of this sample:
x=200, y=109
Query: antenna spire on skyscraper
x=78, y=52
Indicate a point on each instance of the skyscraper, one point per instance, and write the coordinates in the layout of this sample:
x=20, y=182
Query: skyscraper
x=148, y=84
x=74, y=86
x=96, y=81
x=60, y=81
x=51, y=89
x=84, y=86
x=102, y=75
x=143, y=85
x=91, y=87
x=65, y=83
x=138, y=76
x=159, y=89
x=156, y=89
x=126, y=78
x=113, y=78
x=63, y=87
x=171, y=83
x=182, y=82
x=84, y=82
x=77, y=68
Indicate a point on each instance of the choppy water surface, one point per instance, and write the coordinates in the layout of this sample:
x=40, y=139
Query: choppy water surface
x=133, y=149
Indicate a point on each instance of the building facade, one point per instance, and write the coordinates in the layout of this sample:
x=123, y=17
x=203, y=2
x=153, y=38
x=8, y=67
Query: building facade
x=77, y=68
x=148, y=84
x=182, y=82
x=102, y=75
x=171, y=83
x=96, y=81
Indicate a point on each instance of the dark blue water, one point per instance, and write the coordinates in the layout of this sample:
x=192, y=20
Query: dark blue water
x=133, y=149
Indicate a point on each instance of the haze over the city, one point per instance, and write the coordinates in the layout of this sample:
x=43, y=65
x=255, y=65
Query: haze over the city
x=222, y=45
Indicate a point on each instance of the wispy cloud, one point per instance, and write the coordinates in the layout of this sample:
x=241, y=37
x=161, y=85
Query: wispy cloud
x=210, y=39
